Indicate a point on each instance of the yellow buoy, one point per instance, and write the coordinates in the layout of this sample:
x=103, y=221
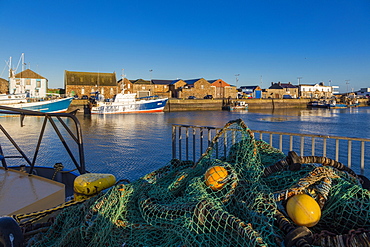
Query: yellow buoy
x=92, y=183
x=214, y=177
x=303, y=210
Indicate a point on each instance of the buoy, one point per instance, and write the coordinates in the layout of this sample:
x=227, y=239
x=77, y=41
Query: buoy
x=215, y=176
x=90, y=184
x=303, y=210
x=10, y=232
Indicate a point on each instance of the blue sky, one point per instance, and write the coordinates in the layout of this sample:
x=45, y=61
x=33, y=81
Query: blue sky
x=261, y=40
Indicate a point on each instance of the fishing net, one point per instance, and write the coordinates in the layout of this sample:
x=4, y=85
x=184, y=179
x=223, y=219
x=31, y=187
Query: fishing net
x=235, y=195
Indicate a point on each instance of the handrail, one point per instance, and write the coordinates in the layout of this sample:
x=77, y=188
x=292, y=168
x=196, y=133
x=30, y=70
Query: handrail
x=284, y=142
x=77, y=137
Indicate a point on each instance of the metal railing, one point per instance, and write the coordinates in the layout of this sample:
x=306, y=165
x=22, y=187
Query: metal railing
x=190, y=142
x=48, y=117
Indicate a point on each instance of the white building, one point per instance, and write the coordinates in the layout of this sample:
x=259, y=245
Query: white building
x=30, y=82
x=315, y=91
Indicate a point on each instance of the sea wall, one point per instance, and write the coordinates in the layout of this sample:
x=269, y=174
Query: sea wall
x=216, y=104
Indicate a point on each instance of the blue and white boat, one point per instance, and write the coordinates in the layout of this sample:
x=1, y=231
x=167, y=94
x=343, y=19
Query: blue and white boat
x=47, y=106
x=128, y=103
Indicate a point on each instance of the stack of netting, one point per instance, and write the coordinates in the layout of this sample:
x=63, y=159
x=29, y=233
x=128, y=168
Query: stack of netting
x=235, y=195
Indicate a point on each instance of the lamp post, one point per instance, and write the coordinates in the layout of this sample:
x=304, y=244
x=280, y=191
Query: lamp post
x=237, y=79
x=150, y=74
x=299, y=80
x=347, y=82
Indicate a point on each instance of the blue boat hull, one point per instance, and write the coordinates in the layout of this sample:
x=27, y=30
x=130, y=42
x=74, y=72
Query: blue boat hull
x=48, y=106
x=144, y=106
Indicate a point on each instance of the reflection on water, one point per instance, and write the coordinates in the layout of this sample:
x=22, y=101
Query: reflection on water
x=132, y=145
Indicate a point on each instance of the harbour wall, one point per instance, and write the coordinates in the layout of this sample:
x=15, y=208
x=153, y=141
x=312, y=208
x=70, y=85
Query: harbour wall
x=216, y=104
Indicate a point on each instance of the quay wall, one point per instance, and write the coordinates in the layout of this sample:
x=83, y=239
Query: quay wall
x=216, y=104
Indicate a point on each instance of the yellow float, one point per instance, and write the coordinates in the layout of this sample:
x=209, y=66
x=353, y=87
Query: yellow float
x=214, y=177
x=90, y=184
x=303, y=210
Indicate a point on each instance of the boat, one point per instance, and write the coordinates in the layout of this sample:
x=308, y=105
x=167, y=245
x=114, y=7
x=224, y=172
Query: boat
x=13, y=98
x=237, y=106
x=334, y=105
x=47, y=106
x=32, y=194
x=128, y=103
x=317, y=104
x=240, y=192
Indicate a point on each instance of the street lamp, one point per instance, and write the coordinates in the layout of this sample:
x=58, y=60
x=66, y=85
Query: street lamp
x=347, y=82
x=299, y=80
x=236, y=78
x=150, y=74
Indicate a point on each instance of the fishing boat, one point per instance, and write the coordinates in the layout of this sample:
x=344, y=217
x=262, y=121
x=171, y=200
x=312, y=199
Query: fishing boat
x=13, y=98
x=237, y=106
x=30, y=193
x=40, y=105
x=129, y=103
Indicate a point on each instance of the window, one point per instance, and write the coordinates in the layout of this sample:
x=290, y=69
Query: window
x=38, y=83
x=82, y=90
x=28, y=81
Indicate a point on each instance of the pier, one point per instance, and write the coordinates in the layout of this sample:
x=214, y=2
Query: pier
x=216, y=104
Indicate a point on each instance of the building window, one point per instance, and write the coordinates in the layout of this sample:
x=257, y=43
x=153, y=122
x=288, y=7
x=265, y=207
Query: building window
x=28, y=81
x=128, y=86
x=102, y=91
x=38, y=83
x=82, y=90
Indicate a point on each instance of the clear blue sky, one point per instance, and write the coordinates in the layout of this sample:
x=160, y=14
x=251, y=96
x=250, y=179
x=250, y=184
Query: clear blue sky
x=275, y=40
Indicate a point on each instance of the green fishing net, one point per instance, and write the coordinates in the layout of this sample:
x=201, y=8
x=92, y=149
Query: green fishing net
x=227, y=198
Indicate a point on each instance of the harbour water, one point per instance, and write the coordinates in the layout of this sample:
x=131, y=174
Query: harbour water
x=131, y=145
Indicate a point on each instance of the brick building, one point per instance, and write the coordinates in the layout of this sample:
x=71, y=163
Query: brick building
x=195, y=87
x=278, y=90
x=4, y=86
x=84, y=83
x=221, y=89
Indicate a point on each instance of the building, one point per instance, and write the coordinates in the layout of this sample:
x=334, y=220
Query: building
x=195, y=87
x=316, y=91
x=162, y=88
x=28, y=82
x=4, y=86
x=221, y=89
x=251, y=92
x=85, y=83
x=281, y=90
x=364, y=92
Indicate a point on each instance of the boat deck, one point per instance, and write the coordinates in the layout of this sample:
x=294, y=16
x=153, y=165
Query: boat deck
x=22, y=193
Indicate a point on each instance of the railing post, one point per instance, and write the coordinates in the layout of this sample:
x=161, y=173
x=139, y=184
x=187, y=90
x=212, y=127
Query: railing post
x=349, y=154
x=187, y=143
x=362, y=157
x=313, y=146
x=302, y=146
x=173, y=142
x=281, y=142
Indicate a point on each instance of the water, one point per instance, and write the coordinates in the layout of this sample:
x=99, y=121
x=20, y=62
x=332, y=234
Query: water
x=131, y=145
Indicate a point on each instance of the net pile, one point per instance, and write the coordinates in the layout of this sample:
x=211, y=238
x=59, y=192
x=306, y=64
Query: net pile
x=235, y=195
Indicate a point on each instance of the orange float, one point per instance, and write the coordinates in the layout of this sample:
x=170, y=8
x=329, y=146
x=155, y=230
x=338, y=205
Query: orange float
x=214, y=177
